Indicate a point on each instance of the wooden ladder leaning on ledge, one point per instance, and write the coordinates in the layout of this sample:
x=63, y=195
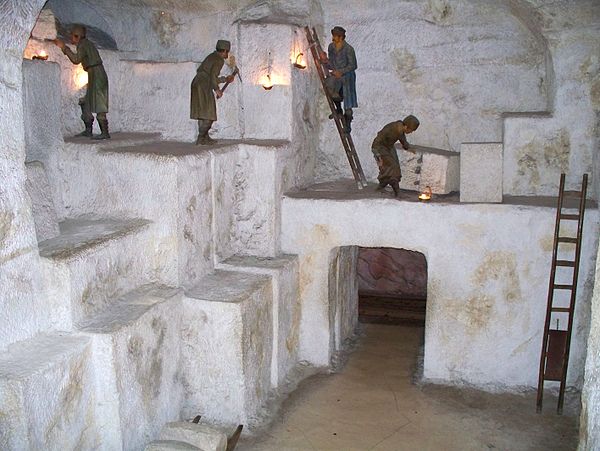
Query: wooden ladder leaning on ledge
x=554, y=359
x=357, y=172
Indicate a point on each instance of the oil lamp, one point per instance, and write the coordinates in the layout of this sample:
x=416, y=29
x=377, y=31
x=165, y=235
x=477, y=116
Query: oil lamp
x=42, y=56
x=425, y=195
x=299, y=63
x=267, y=84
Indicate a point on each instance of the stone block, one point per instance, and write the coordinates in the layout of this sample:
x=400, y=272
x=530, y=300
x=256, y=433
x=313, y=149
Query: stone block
x=245, y=201
x=428, y=166
x=44, y=212
x=47, y=395
x=136, y=341
x=202, y=436
x=226, y=343
x=283, y=271
x=481, y=172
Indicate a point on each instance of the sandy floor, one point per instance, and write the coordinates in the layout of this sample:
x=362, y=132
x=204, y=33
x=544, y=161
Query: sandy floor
x=372, y=404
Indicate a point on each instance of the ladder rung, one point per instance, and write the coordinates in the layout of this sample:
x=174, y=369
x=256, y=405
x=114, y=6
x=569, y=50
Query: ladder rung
x=561, y=309
x=564, y=239
x=576, y=194
x=569, y=217
x=562, y=287
x=565, y=263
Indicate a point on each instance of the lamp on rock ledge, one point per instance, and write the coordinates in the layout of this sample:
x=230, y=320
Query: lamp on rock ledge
x=267, y=84
x=299, y=63
x=425, y=195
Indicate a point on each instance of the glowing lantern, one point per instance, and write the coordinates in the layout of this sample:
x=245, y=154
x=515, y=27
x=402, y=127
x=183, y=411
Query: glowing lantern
x=300, y=63
x=42, y=56
x=425, y=195
x=266, y=82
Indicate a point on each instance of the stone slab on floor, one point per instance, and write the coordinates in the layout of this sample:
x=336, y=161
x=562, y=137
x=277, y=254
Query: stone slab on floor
x=136, y=342
x=170, y=445
x=481, y=172
x=47, y=395
x=226, y=344
x=429, y=166
x=204, y=437
x=286, y=309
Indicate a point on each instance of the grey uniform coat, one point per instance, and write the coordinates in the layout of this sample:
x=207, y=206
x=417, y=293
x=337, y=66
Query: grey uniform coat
x=96, y=95
x=203, y=104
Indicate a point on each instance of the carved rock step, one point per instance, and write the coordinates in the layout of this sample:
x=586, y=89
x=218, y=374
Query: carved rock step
x=227, y=346
x=47, y=394
x=94, y=261
x=283, y=270
x=136, y=342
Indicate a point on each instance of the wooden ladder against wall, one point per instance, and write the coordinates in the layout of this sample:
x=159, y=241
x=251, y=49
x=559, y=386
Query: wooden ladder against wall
x=554, y=359
x=340, y=123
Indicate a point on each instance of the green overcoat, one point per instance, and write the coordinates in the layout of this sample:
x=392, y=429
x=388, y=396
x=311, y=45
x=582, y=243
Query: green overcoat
x=96, y=94
x=202, y=104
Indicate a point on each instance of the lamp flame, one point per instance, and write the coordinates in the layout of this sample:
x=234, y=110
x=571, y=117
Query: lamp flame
x=299, y=62
x=266, y=82
x=43, y=55
x=425, y=195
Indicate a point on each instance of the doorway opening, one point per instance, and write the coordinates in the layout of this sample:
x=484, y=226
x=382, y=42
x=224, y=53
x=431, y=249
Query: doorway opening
x=392, y=286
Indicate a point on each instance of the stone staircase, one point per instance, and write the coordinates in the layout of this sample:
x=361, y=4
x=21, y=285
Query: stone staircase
x=148, y=330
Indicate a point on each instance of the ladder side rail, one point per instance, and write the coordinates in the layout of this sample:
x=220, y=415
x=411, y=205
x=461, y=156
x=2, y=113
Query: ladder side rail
x=313, y=41
x=541, y=378
x=363, y=179
x=561, y=394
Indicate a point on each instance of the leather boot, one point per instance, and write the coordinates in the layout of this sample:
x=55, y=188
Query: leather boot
x=203, y=129
x=396, y=188
x=88, y=130
x=348, y=116
x=103, y=123
x=338, y=109
x=381, y=186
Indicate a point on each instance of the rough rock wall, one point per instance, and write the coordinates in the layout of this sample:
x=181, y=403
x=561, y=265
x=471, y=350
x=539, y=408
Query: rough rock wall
x=538, y=150
x=19, y=260
x=456, y=65
x=589, y=432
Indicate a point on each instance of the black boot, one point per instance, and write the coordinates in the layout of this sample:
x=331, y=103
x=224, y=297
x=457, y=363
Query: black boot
x=338, y=109
x=88, y=130
x=381, y=186
x=203, y=129
x=348, y=117
x=396, y=188
x=103, y=123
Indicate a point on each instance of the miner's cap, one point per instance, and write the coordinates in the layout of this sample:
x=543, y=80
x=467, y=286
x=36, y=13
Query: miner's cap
x=339, y=31
x=223, y=45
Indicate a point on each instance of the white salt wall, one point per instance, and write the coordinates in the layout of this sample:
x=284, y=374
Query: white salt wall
x=21, y=306
x=537, y=150
x=456, y=65
x=486, y=289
